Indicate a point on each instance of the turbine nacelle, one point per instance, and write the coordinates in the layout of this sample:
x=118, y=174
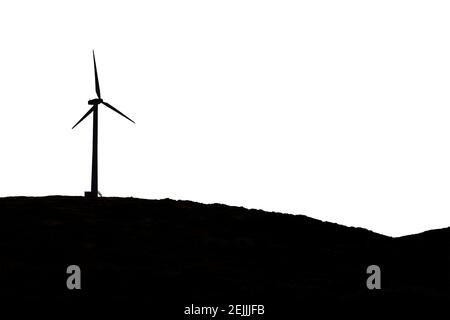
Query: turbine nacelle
x=95, y=101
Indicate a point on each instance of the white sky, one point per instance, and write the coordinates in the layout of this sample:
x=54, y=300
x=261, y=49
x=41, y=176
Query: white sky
x=339, y=110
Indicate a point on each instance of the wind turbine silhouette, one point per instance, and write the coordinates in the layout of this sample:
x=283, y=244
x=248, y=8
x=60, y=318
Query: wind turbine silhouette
x=94, y=109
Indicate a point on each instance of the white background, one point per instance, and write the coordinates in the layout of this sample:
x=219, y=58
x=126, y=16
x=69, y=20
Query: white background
x=339, y=110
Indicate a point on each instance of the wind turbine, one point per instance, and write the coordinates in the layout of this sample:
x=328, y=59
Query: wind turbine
x=94, y=109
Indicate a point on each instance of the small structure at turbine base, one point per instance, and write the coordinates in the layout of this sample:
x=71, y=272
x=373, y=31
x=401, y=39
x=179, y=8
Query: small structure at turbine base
x=90, y=194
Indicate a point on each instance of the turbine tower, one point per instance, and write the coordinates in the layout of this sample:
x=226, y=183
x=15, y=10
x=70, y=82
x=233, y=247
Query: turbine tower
x=94, y=109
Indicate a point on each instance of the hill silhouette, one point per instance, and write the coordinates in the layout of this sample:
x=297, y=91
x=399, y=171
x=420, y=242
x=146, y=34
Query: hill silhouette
x=182, y=253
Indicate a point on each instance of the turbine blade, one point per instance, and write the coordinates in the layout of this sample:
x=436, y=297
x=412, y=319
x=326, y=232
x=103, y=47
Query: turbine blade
x=87, y=113
x=97, y=85
x=114, y=109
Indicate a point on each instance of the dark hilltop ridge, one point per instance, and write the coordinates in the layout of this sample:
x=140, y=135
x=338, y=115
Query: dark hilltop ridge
x=182, y=253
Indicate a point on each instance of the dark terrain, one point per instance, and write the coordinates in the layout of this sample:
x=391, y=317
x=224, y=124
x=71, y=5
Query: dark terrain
x=174, y=253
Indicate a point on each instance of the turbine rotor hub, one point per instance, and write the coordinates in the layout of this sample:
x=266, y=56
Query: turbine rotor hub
x=95, y=101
